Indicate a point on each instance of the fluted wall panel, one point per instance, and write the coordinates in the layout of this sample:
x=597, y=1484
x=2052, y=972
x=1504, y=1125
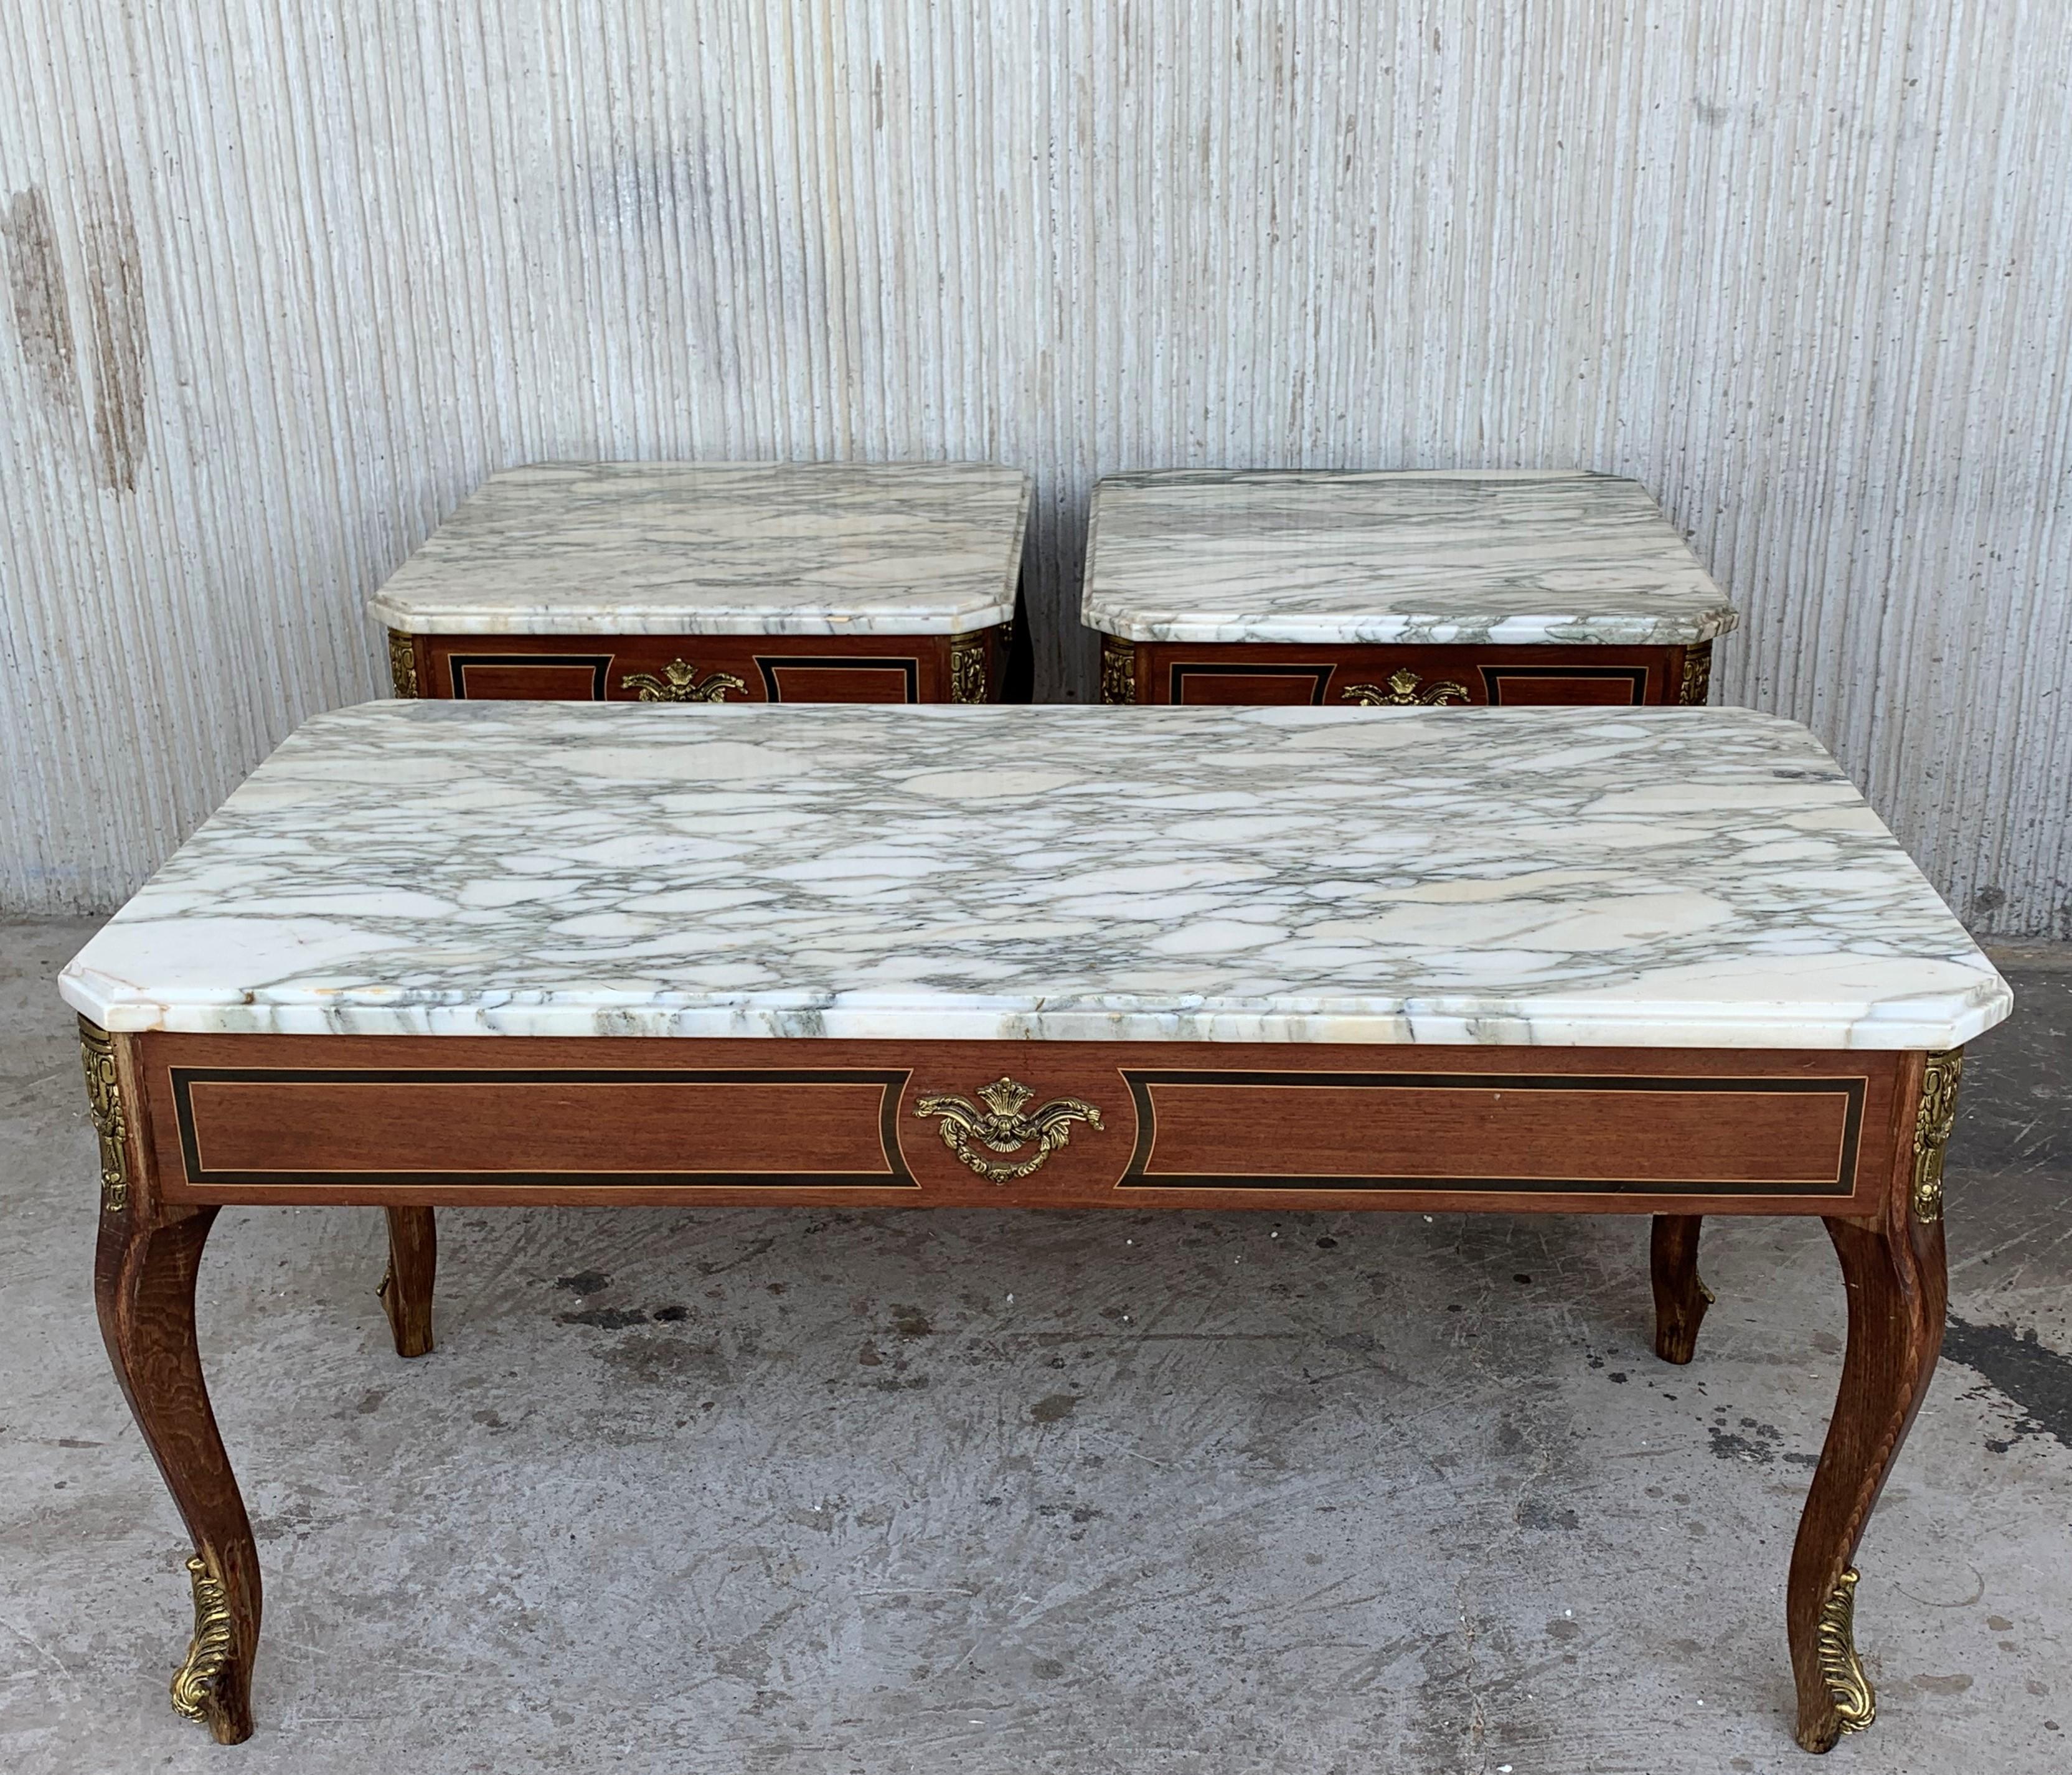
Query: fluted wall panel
x=281, y=284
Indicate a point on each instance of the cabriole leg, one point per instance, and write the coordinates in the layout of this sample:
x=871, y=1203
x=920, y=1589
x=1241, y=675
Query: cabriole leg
x=1897, y=1283
x=406, y=1289
x=1680, y=1294
x=144, y=1287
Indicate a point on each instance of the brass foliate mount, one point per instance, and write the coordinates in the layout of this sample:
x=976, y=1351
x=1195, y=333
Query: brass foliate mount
x=1697, y=674
x=679, y=683
x=1932, y=1124
x=1406, y=690
x=1834, y=1645
x=967, y=668
x=104, y=1099
x=1118, y=670
x=209, y=1651
x=403, y=662
x=1002, y=1128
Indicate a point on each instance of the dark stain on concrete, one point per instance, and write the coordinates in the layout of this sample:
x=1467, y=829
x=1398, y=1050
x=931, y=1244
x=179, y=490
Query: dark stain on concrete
x=1761, y=1445
x=604, y=1318
x=43, y=316
x=115, y=310
x=1941, y=1685
x=1537, y=1513
x=658, y=1359
x=1728, y=1446
x=1053, y=1407
x=2036, y=1378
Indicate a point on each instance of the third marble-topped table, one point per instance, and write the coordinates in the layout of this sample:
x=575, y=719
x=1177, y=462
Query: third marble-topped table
x=1433, y=588
x=705, y=582
x=1653, y=961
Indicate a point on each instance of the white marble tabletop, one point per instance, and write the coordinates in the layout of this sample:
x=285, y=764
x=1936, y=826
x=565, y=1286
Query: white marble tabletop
x=720, y=548
x=1517, y=559
x=1568, y=876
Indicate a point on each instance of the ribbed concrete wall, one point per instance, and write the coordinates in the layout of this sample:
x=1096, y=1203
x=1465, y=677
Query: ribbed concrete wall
x=283, y=282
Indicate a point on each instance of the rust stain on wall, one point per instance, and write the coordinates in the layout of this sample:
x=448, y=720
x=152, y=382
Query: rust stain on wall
x=115, y=301
x=35, y=286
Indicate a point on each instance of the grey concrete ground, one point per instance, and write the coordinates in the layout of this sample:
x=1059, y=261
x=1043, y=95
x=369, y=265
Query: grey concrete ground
x=805, y=1492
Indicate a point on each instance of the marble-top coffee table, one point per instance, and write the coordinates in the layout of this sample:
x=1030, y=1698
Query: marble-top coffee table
x=716, y=582
x=1657, y=961
x=1406, y=589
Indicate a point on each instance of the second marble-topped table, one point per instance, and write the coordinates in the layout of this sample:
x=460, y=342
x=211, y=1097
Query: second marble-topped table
x=1654, y=961
x=1408, y=588
x=716, y=582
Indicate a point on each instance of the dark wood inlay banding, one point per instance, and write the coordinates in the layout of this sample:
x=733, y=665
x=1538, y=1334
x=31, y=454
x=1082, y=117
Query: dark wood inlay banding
x=805, y=1128
x=562, y=677
x=1555, y=1134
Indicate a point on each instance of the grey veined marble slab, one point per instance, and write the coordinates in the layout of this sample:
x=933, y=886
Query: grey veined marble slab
x=1689, y=878
x=720, y=548
x=1517, y=559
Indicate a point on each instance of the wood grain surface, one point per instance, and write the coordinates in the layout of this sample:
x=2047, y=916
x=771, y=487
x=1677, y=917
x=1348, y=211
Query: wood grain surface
x=1260, y=1105
x=1285, y=672
x=407, y=1120
x=865, y=668
x=144, y=1287
x=1896, y=1277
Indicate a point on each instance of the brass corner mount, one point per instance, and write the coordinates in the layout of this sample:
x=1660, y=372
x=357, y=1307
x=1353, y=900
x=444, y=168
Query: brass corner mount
x=104, y=1099
x=1934, y=1119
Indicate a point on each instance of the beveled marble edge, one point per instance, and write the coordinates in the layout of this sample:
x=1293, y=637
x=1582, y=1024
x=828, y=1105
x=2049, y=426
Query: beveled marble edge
x=1575, y=628
x=1223, y=477
x=1928, y=1023
x=1100, y=612
x=354, y=884
x=433, y=616
x=743, y=619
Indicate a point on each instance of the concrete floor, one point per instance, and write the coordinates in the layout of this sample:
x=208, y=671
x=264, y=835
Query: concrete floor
x=811, y=1492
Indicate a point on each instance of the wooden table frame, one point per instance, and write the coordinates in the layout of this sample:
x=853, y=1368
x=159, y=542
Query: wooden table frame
x=1402, y=676
x=970, y=668
x=188, y=1123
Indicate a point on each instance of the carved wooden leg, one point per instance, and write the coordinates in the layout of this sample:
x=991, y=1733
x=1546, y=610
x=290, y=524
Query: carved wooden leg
x=406, y=1289
x=1680, y=1294
x=144, y=1286
x=1894, y=1271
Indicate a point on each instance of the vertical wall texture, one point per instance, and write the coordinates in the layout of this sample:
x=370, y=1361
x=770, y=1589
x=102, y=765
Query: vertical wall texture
x=281, y=284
